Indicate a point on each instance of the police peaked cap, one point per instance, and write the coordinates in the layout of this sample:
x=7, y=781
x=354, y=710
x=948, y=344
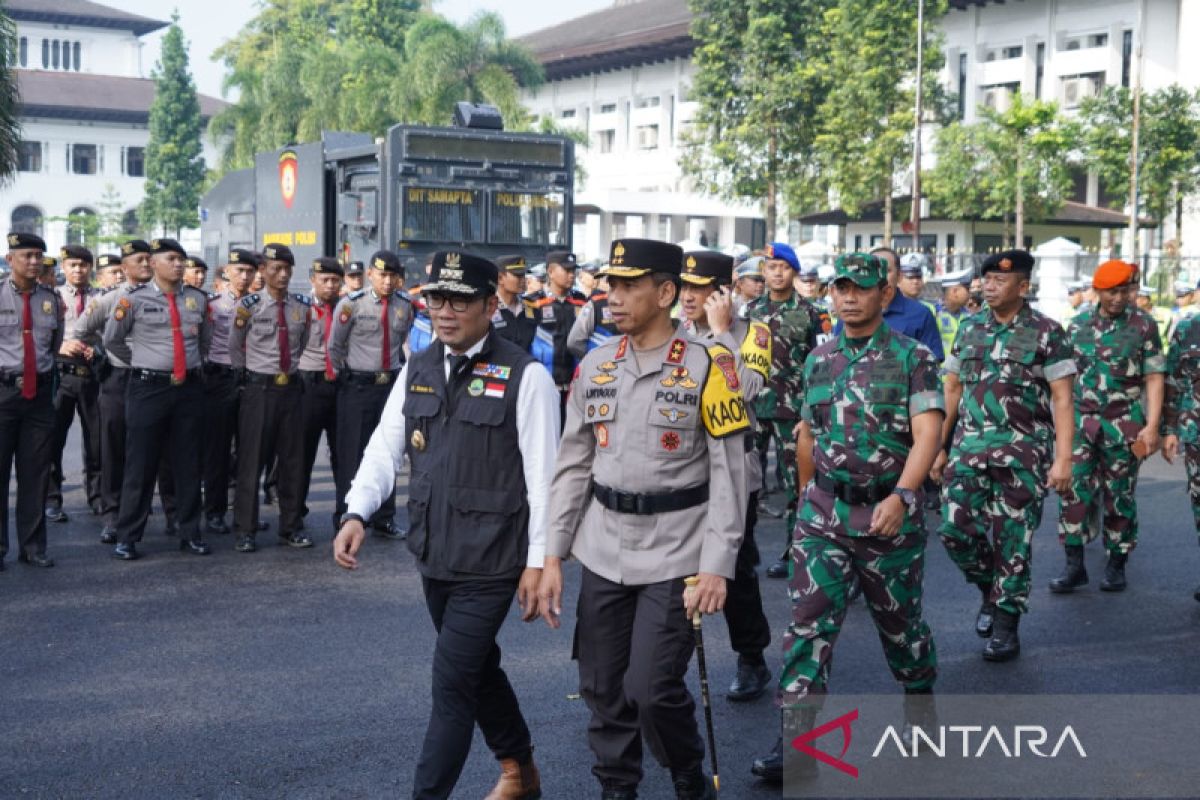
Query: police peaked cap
x=707, y=268
x=633, y=258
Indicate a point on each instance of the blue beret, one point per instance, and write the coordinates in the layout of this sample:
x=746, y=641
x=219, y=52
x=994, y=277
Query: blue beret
x=784, y=252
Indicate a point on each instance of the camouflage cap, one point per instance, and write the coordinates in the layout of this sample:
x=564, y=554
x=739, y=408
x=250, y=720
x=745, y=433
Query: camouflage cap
x=864, y=269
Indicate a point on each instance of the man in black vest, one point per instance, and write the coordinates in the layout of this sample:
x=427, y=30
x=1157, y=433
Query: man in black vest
x=460, y=411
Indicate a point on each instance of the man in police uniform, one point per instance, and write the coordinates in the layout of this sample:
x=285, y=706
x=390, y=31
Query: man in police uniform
x=269, y=333
x=108, y=271
x=509, y=320
x=353, y=279
x=593, y=326
x=913, y=267
x=49, y=276
x=78, y=386
x=474, y=414
x=31, y=332
x=871, y=426
x=950, y=312
x=222, y=390
x=195, y=272
x=366, y=346
x=318, y=404
x=165, y=326
x=553, y=310
x=748, y=284
x=1074, y=300
x=708, y=316
x=650, y=488
x=1008, y=386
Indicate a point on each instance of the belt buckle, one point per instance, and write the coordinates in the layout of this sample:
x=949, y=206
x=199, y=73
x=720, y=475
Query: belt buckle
x=626, y=503
x=177, y=381
x=282, y=379
x=382, y=378
x=329, y=378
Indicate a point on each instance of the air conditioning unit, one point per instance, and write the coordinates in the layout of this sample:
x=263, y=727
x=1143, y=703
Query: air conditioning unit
x=997, y=99
x=1076, y=90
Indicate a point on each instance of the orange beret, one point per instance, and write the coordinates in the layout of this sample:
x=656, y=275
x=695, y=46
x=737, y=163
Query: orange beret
x=1112, y=274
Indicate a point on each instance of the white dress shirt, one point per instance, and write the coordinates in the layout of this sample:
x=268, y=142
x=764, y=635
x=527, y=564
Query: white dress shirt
x=537, y=435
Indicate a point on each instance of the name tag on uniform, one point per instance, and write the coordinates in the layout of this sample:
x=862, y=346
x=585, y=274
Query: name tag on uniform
x=548, y=313
x=606, y=315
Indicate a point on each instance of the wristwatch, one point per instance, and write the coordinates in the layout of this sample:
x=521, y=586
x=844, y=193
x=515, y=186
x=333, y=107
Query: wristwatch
x=348, y=516
x=909, y=497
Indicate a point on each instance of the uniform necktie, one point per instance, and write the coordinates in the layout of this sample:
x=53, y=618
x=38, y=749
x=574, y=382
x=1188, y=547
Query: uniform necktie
x=329, y=373
x=29, y=372
x=179, y=360
x=78, y=303
x=285, y=349
x=457, y=364
x=387, y=338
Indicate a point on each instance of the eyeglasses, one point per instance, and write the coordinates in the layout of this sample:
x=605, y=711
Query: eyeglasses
x=457, y=303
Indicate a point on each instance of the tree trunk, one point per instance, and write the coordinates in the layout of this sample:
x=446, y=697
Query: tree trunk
x=887, y=218
x=772, y=188
x=1019, y=209
x=1006, y=236
x=1178, y=219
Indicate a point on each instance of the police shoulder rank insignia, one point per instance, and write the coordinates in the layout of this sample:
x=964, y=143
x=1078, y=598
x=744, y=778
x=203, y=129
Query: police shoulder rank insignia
x=756, y=349
x=250, y=300
x=302, y=298
x=675, y=354
x=723, y=408
x=357, y=294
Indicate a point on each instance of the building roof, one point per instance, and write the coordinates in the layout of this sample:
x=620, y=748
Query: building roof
x=81, y=96
x=80, y=12
x=621, y=36
x=1072, y=213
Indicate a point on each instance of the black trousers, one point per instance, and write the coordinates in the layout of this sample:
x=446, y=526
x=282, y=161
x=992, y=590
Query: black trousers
x=469, y=687
x=27, y=437
x=749, y=631
x=113, y=390
x=77, y=396
x=318, y=410
x=634, y=644
x=221, y=393
x=161, y=420
x=268, y=421
x=359, y=408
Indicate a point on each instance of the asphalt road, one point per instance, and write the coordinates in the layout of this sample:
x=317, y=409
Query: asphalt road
x=278, y=675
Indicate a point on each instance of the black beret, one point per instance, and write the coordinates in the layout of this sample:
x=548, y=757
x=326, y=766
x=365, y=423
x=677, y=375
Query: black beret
x=134, y=246
x=1008, y=261
x=354, y=268
x=327, y=266
x=49, y=262
x=239, y=255
x=158, y=246
x=197, y=262
x=76, y=251
x=19, y=240
x=455, y=272
x=278, y=252
x=563, y=258
x=386, y=261
x=108, y=260
x=633, y=258
x=514, y=264
x=707, y=267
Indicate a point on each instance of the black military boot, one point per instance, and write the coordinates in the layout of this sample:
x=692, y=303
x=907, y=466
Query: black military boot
x=779, y=569
x=692, y=784
x=919, y=712
x=1114, y=573
x=612, y=790
x=1074, y=574
x=769, y=768
x=752, y=680
x=987, y=613
x=1004, y=645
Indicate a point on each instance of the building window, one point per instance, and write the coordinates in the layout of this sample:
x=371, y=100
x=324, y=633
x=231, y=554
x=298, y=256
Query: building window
x=81, y=226
x=29, y=157
x=135, y=162
x=605, y=140
x=129, y=222
x=652, y=101
x=23, y=52
x=950, y=242
x=567, y=113
x=54, y=62
x=1126, y=57
x=83, y=159
x=1012, y=52
x=647, y=137
x=608, y=108
x=26, y=219
x=1098, y=40
x=66, y=47
x=1041, y=71
x=962, y=85
x=75, y=60
x=45, y=54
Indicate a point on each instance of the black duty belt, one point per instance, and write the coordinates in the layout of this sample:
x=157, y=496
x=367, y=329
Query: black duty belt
x=218, y=369
x=78, y=370
x=854, y=495
x=270, y=378
x=164, y=376
x=633, y=503
x=17, y=379
x=316, y=376
x=366, y=378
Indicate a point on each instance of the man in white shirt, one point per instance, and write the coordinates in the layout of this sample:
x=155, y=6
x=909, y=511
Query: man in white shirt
x=477, y=418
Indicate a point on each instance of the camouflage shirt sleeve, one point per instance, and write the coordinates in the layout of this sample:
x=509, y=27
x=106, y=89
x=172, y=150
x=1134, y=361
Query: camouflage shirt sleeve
x=1153, y=360
x=924, y=383
x=1058, y=353
x=805, y=408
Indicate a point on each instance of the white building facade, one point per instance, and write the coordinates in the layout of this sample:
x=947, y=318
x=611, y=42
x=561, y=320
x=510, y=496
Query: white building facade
x=85, y=105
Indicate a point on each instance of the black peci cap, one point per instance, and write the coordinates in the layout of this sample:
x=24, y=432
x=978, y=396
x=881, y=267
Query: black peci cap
x=458, y=273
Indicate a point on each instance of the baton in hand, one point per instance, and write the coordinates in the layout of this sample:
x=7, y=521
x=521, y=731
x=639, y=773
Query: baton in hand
x=704, y=696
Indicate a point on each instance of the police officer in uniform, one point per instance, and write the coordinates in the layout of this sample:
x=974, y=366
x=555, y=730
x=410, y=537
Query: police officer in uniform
x=318, y=404
x=649, y=489
x=953, y=308
x=366, y=346
x=553, y=310
x=353, y=278
x=270, y=330
x=31, y=332
x=593, y=326
x=222, y=389
x=166, y=328
x=707, y=308
x=78, y=387
x=509, y=320
x=108, y=271
x=474, y=415
x=195, y=272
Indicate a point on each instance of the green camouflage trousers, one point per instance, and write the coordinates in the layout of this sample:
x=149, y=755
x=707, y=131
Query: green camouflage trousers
x=780, y=431
x=989, y=517
x=1191, y=458
x=1103, y=470
x=824, y=560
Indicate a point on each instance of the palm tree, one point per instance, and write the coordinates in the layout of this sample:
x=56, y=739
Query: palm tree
x=10, y=123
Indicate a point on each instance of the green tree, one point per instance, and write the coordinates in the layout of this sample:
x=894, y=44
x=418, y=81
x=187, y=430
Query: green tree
x=758, y=87
x=867, y=117
x=174, y=158
x=110, y=218
x=1013, y=165
x=10, y=123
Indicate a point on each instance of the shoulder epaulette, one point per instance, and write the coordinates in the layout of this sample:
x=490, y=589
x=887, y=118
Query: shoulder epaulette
x=251, y=300
x=137, y=287
x=303, y=298
x=212, y=296
x=356, y=295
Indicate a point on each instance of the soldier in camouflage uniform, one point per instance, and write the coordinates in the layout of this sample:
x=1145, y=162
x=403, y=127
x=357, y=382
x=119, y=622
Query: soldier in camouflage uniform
x=1008, y=364
x=797, y=326
x=872, y=418
x=1118, y=401
x=1181, y=408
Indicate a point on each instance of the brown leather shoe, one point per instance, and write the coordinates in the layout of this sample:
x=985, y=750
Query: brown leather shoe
x=517, y=782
